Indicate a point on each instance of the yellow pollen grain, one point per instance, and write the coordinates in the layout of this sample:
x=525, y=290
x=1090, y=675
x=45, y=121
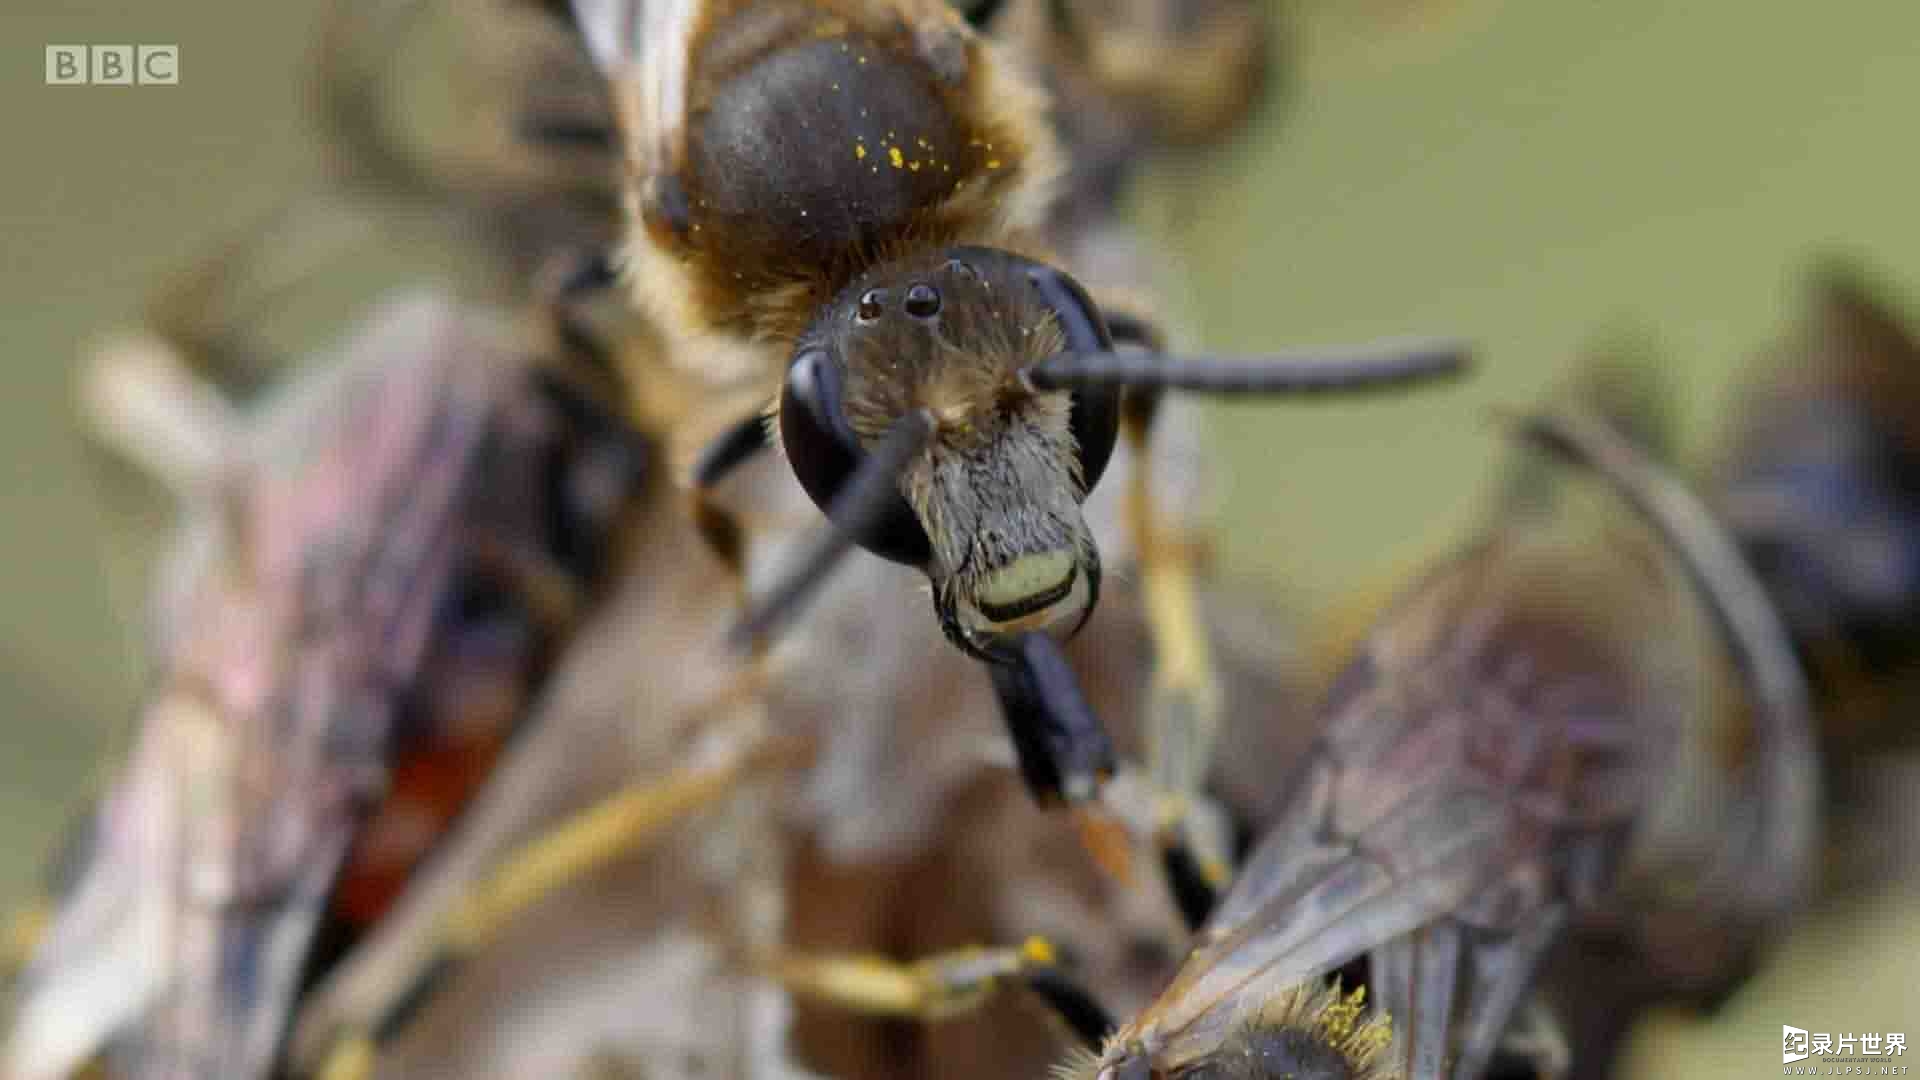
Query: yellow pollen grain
x=863, y=59
x=993, y=163
x=859, y=152
x=893, y=155
x=914, y=165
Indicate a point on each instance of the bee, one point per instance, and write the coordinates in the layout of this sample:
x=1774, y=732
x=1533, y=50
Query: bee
x=1807, y=477
x=838, y=210
x=523, y=171
x=1486, y=760
x=381, y=562
x=1819, y=480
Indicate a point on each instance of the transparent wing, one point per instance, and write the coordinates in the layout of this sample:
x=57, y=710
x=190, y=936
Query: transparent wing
x=642, y=47
x=1488, y=727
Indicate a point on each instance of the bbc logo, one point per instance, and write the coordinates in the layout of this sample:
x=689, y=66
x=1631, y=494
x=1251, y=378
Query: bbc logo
x=113, y=65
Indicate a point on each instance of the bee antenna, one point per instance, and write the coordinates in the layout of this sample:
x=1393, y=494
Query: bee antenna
x=856, y=511
x=1788, y=767
x=1357, y=369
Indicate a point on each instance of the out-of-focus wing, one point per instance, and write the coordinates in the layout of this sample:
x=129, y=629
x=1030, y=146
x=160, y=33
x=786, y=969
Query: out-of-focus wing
x=1483, y=755
x=642, y=47
x=268, y=733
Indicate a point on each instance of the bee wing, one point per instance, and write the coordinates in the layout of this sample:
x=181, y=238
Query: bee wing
x=1320, y=902
x=217, y=847
x=1452, y=993
x=643, y=47
x=1360, y=857
x=1481, y=754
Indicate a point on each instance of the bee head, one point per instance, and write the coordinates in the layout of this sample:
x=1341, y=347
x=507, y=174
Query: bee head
x=990, y=507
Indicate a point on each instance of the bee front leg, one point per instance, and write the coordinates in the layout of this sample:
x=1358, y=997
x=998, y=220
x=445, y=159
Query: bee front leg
x=943, y=985
x=720, y=528
x=1184, y=701
x=564, y=289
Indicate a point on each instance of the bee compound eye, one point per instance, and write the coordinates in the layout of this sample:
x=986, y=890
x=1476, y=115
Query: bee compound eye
x=1095, y=422
x=824, y=454
x=872, y=304
x=813, y=430
x=923, y=301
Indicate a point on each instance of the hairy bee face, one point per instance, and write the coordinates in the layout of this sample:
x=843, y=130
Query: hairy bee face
x=991, y=508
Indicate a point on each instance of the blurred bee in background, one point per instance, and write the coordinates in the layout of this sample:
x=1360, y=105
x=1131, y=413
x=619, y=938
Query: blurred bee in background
x=1495, y=749
x=1820, y=482
x=1812, y=480
x=512, y=147
x=395, y=550
x=507, y=179
x=378, y=562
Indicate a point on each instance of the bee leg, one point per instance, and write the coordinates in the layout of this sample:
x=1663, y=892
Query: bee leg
x=1184, y=702
x=719, y=528
x=563, y=290
x=1196, y=883
x=619, y=826
x=1064, y=752
x=943, y=985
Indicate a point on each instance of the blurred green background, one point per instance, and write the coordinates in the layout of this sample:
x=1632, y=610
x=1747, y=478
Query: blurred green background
x=1526, y=174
